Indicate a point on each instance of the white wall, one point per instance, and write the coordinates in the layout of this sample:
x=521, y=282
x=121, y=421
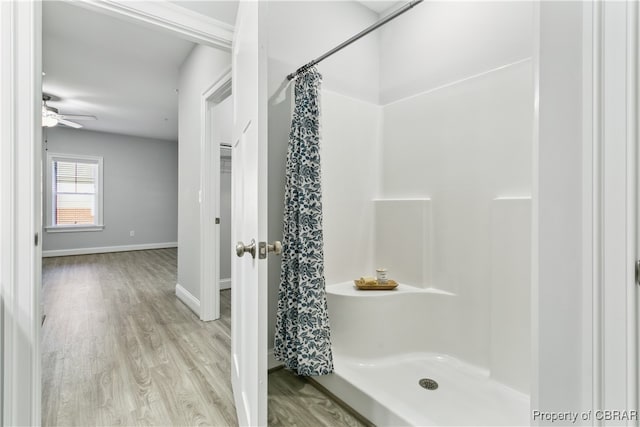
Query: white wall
x=140, y=188
x=201, y=69
x=223, y=121
x=403, y=240
x=456, y=127
x=350, y=181
x=438, y=42
x=557, y=316
x=462, y=146
x=510, y=289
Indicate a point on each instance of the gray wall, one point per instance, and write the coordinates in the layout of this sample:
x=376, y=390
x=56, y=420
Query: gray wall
x=140, y=188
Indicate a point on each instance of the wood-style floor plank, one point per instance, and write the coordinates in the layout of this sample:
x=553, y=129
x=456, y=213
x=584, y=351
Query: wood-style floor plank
x=295, y=402
x=118, y=348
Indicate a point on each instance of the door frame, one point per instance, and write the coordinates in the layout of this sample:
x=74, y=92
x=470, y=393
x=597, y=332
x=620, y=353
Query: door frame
x=20, y=213
x=21, y=174
x=611, y=215
x=585, y=301
x=210, y=200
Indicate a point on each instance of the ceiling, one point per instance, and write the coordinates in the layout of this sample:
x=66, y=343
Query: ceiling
x=222, y=10
x=380, y=6
x=124, y=74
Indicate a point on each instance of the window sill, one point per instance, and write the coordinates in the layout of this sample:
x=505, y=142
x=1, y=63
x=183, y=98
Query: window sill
x=73, y=228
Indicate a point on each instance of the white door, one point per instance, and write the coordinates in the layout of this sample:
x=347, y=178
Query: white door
x=249, y=221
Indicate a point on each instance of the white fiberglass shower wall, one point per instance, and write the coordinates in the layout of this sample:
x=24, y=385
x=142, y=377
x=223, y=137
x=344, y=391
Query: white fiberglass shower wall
x=430, y=176
x=466, y=148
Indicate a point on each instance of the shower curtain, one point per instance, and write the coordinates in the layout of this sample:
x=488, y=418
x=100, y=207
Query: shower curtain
x=302, y=338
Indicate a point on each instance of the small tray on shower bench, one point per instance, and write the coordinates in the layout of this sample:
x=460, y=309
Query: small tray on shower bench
x=391, y=284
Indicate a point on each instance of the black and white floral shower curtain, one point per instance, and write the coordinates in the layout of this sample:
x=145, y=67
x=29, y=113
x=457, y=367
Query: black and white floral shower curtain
x=302, y=338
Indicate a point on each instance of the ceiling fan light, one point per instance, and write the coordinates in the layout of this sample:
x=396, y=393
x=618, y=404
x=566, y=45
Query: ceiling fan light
x=49, y=121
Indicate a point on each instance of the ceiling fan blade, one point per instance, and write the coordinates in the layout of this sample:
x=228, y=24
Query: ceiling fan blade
x=77, y=117
x=70, y=124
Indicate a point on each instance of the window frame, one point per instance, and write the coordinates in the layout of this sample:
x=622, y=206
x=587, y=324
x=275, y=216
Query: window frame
x=48, y=190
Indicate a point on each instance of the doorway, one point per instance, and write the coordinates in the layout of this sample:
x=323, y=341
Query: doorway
x=222, y=116
x=215, y=206
x=226, y=164
x=21, y=165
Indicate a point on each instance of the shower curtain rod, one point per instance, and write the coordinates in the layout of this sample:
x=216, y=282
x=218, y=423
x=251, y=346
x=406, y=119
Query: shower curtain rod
x=361, y=34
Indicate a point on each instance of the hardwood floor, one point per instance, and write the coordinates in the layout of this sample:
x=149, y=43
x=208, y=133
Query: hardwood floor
x=118, y=348
x=295, y=402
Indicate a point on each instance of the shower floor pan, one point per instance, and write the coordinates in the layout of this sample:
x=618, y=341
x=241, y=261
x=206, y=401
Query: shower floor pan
x=387, y=392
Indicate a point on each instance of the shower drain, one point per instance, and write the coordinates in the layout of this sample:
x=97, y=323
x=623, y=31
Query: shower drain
x=428, y=383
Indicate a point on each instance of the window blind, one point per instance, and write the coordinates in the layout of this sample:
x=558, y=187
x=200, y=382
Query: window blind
x=74, y=191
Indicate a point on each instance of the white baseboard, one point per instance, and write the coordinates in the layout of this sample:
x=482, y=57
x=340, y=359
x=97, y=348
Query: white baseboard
x=106, y=249
x=225, y=284
x=188, y=299
x=271, y=360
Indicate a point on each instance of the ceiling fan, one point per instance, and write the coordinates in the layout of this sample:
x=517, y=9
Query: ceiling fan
x=51, y=116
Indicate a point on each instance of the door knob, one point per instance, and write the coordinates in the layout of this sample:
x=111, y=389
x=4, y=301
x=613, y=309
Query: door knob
x=276, y=248
x=264, y=247
x=241, y=248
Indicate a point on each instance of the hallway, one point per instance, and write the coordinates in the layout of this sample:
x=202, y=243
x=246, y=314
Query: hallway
x=118, y=348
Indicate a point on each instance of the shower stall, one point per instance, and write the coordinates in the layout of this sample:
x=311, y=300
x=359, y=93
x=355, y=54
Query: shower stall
x=426, y=136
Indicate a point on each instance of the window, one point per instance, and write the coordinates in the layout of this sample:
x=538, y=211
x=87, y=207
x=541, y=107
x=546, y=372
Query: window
x=74, y=193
